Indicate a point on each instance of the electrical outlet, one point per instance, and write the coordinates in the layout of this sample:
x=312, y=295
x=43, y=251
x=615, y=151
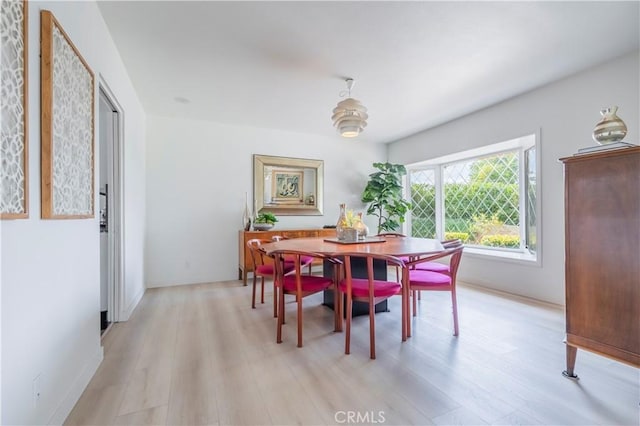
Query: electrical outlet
x=37, y=389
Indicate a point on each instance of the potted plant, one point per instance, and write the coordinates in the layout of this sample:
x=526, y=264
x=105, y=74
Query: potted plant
x=384, y=195
x=264, y=221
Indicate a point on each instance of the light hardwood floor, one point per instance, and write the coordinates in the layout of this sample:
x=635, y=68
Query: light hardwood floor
x=200, y=355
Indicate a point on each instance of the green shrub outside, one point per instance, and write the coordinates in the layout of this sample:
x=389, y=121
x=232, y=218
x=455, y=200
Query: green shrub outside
x=492, y=198
x=423, y=227
x=508, y=241
x=497, y=211
x=462, y=236
x=458, y=225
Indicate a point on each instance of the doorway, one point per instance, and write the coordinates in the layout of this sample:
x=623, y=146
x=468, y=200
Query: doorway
x=110, y=207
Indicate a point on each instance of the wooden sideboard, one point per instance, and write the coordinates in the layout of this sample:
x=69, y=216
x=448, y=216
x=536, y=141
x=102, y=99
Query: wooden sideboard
x=602, y=255
x=245, y=265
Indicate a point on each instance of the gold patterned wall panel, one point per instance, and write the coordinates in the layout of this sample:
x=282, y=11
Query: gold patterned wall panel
x=14, y=159
x=67, y=126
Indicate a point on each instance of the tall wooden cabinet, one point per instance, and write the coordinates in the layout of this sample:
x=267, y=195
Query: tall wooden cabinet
x=244, y=257
x=602, y=248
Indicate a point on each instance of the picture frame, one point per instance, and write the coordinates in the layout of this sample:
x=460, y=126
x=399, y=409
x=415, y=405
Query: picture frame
x=287, y=186
x=67, y=125
x=14, y=143
x=310, y=174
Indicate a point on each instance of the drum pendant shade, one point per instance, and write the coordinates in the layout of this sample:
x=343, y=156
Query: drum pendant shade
x=350, y=116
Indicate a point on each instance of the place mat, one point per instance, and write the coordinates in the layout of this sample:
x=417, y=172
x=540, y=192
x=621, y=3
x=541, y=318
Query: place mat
x=365, y=241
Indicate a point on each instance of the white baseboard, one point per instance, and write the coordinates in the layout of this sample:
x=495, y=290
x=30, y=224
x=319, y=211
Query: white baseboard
x=125, y=314
x=78, y=386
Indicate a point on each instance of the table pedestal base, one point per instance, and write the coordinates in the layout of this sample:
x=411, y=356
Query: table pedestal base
x=358, y=270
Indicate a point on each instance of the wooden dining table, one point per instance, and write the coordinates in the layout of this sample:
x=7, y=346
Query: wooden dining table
x=392, y=246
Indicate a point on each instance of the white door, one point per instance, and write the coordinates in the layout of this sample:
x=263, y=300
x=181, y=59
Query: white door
x=110, y=207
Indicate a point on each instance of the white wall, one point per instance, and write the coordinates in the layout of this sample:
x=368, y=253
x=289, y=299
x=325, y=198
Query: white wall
x=566, y=113
x=197, y=176
x=50, y=268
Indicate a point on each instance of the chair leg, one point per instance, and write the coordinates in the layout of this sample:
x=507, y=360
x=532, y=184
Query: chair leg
x=455, y=312
x=347, y=335
x=408, y=312
x=284, y=312
x=372, y=331
x=253, y=293
x=299, y=321
x=262, y=293
x=415, y=306
x=404, y=314
x=419, y=295
x=275, y=299
x=337, y=309
x=280, y=317
x=337, y=298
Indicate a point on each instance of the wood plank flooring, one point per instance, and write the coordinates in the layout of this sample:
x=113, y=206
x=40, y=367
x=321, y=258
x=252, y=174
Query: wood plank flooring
x=196, y=355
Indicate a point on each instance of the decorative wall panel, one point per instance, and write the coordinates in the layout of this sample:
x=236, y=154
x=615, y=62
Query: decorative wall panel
x=13, y=106
x=67, y=124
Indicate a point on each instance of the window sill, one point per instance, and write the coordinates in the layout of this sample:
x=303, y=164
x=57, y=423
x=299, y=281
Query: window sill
x=506, y=256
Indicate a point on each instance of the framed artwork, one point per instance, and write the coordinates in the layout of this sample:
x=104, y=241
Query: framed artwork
x=287, y=186
x=14, y=141
x=67, y=125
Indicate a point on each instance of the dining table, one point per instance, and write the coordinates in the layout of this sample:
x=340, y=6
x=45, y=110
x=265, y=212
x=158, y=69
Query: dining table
x=402, y=247
x=392, y=246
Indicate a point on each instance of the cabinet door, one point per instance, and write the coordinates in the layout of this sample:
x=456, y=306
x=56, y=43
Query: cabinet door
x=603, y=246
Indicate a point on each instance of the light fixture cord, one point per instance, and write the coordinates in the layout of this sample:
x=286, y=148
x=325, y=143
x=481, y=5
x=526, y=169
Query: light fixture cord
x=347, y=92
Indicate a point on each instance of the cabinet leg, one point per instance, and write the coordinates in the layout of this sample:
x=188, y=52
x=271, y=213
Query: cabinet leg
x=571, y=363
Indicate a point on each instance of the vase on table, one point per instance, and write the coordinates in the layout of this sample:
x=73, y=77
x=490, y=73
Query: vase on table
x=361, y=227
x=611, y=128
x=246, y=216
x=342, y=222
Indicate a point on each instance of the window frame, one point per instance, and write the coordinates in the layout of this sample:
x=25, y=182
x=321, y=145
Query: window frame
x=520, y=144
x=527, y=234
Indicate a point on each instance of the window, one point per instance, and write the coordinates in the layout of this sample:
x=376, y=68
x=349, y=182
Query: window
x=485, y=197
x=423, y=203
x=531, y=198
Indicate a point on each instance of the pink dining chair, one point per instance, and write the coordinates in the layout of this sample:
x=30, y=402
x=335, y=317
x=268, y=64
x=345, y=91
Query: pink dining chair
x=299, y=285
x=403, y=258
x=443, y=268
x=306, y=260
x=429, y=280
x=372, y=292
x=264, y=269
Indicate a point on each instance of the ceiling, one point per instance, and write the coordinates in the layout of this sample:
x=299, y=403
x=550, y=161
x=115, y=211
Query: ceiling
x=416, y=65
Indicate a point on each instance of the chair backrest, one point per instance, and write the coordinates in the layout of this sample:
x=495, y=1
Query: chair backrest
x=255, y=249
x=369, y=257
x=454, y=262
x=451, y=243
x=452, y=249
x=296, y=256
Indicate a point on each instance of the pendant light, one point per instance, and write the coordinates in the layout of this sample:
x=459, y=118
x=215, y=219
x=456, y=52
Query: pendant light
x=349, y=116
